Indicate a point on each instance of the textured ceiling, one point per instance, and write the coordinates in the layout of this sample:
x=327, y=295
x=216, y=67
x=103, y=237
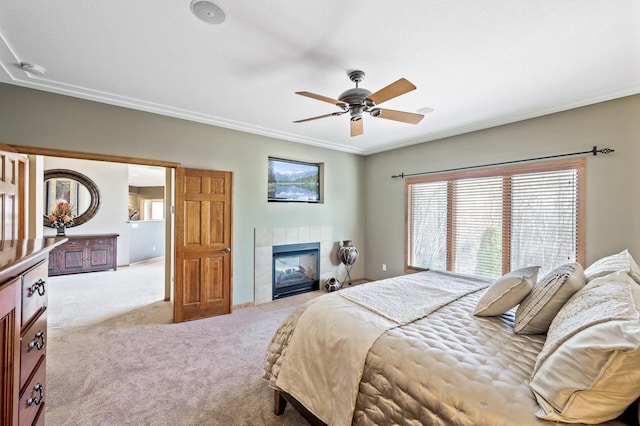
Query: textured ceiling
x=476, y=63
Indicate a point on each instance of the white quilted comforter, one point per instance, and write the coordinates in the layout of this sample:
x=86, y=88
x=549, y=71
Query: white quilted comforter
x=446, y=368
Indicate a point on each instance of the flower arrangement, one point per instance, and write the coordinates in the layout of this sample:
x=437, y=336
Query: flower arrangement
x=62, y=215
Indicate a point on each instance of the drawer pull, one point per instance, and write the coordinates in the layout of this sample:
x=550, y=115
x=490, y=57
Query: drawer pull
x=38, y=341
x=37, y=286
x=36, y=400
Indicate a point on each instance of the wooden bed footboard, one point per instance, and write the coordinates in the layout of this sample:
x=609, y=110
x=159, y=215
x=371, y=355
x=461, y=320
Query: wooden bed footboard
x=280, y=400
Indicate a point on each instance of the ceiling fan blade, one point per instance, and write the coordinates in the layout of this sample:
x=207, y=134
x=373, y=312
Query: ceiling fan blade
x=356, y=127
x=397, y=88
x=405, y=117
x=322, y=98
x=316, y=118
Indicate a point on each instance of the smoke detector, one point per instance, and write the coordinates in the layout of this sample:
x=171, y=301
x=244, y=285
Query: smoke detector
x=208, y=12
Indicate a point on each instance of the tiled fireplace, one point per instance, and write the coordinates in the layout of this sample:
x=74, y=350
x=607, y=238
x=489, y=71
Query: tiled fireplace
x=267, y=238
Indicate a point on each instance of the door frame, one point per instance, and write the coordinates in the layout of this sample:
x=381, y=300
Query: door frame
x=169, y=190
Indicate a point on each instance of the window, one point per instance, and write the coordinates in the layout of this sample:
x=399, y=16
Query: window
x=153, y=210
x=488, y=222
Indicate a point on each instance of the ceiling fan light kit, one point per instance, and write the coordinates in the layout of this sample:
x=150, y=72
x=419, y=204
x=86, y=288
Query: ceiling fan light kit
x=358, y=100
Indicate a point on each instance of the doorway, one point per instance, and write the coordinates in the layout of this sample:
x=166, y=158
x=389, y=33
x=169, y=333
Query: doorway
x=125, y=188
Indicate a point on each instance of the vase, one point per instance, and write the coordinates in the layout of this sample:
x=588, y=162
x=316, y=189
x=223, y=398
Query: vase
x=60, y=232
x=347, y=253
x=332, y=284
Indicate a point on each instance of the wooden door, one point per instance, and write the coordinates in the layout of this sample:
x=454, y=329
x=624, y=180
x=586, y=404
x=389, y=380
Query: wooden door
x=203, y=244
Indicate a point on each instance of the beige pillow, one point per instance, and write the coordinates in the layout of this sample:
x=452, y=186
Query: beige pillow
x=537, y=310
x=616, y=262
x=506, y=292
x=589, y=368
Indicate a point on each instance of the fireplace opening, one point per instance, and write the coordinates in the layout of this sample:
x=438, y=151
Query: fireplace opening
x=295, y=269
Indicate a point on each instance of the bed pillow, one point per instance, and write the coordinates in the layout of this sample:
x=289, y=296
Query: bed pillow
x=616, y=262
x=506, y=292
x=589, y=368
x=537, y=310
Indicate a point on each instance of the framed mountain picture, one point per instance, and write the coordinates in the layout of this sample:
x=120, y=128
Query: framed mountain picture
x=294, y=181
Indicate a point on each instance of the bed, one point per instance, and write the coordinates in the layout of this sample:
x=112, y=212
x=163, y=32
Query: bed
x=414, y=350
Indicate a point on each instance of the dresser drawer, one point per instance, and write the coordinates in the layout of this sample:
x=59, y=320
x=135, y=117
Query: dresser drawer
x=34, y=290
x=39, y=420
x=32, y=347
x=33, y=396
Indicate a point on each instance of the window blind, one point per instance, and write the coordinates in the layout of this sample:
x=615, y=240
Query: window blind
x=490, y=222
x=427, y=228
x=544, y=219
x=477, y=208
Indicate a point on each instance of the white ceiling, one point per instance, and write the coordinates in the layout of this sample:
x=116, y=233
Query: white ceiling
x=476, y=63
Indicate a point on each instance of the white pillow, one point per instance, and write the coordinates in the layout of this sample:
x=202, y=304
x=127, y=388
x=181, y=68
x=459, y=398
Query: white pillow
x=537, y=310
x=506, y=292
x=589, y=368
x=616, y=262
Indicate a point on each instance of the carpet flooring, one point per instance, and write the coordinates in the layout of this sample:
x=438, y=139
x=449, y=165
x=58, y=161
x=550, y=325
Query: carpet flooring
x=115, y=358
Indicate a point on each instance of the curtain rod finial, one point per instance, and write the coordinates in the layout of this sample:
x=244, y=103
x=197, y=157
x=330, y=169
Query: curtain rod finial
x=595, y=150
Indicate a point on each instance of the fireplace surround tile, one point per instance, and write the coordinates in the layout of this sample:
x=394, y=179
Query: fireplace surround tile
x=315, y=233
x=266, y=238
x=279, y=236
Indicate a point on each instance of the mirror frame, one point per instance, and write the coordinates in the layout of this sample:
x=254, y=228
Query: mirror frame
x=94, y=192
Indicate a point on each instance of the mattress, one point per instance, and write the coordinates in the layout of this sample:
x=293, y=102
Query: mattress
x=447, y=368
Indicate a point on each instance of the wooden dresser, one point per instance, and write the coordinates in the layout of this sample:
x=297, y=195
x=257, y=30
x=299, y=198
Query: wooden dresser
x=84, y=253
x=23, y=329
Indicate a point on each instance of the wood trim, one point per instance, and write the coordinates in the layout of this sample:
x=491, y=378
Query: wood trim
x=7, y=148
x=506, y=224
x=408, y=248
x=451, y=224
x=51, y=152
x=581, y=245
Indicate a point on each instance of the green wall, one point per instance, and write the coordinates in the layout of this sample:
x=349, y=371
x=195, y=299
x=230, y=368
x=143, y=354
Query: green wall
x=613, y=181
x=40, y=119
x=361, y=198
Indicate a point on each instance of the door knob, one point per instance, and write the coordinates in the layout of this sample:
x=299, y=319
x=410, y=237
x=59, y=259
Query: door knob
x=226, y=250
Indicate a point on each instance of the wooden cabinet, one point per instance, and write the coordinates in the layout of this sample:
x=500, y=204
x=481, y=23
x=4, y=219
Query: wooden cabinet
x=23, y=329
x=10, y=355
x=84, y=253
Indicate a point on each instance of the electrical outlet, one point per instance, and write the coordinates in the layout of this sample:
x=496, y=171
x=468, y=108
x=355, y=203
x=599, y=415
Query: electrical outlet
x=384, y=267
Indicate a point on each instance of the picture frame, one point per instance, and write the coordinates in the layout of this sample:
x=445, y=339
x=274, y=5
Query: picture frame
x=294, y=181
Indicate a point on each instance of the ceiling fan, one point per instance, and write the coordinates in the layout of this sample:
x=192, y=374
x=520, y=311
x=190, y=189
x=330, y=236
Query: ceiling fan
x=358, y=100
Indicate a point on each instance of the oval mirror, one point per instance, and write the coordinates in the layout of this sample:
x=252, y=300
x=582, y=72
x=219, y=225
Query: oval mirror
x=80, y=193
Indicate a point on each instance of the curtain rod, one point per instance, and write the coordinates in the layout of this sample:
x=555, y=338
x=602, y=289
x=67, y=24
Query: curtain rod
x=594, y=151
